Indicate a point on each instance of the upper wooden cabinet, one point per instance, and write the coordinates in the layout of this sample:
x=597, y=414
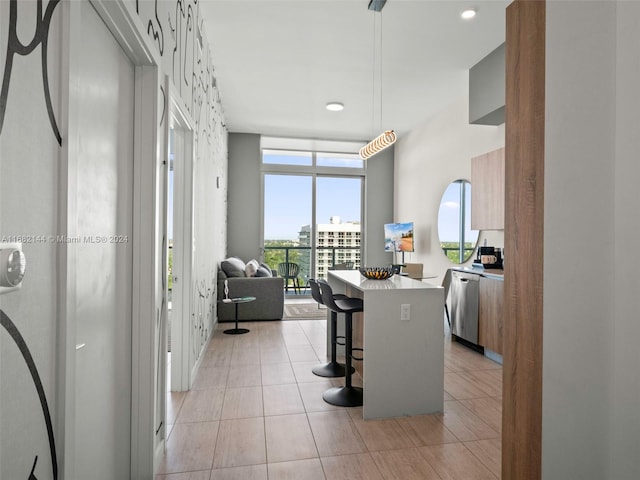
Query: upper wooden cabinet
x=487, y=191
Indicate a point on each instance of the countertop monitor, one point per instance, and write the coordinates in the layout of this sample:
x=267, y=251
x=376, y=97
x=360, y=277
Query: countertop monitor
x=398, y=237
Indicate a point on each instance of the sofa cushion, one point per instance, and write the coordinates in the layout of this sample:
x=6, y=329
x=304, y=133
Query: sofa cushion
x=251, y=268
x=263, y=271
x=233, y=267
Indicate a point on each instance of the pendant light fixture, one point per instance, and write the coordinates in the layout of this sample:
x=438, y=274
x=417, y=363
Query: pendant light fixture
x=388, y=137
x=382, y=141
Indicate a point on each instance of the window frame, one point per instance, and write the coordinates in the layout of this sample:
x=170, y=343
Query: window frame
x=314, y=171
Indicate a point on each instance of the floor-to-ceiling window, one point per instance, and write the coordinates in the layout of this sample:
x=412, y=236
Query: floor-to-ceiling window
x=312, y=213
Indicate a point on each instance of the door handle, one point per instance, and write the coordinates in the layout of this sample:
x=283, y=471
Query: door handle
x=80, y=346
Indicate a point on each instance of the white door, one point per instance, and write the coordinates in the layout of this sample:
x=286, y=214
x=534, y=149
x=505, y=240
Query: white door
x=181, y=352
x=104, y=255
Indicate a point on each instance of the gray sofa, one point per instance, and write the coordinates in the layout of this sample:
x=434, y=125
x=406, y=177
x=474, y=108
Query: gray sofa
x=268, y=290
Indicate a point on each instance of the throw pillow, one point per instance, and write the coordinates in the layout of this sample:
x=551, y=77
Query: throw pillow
x=268, y=268
x=233, y=267
x=263, y=271
x=251, y=268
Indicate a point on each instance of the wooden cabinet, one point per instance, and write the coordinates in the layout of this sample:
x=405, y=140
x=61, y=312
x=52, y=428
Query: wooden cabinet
x=490, y=314
x=487, y=191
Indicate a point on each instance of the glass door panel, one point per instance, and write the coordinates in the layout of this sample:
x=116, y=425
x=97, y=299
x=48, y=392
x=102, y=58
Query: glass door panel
x=287, y=228
x=338, y=223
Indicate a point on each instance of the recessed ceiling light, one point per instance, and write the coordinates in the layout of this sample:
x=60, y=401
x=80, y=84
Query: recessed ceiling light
x=468, y=13
x=335, y=106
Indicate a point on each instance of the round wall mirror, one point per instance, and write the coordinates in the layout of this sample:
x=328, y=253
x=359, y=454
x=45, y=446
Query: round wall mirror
x=457, y=240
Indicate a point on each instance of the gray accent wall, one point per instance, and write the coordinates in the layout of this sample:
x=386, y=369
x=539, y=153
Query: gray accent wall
x=378, y=207
x=244, y=213
x=487, y=89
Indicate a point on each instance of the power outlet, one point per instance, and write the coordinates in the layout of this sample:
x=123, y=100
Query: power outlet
x=405, y=312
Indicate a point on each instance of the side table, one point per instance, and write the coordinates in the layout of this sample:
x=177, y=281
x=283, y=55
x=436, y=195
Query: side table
x=238, y=300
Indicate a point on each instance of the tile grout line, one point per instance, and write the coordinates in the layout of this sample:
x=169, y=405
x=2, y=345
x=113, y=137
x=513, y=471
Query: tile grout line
x=262, y=346
x=479, y=458
x=224, y=397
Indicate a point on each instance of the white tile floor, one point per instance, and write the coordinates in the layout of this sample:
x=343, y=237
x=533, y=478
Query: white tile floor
x=256, y=412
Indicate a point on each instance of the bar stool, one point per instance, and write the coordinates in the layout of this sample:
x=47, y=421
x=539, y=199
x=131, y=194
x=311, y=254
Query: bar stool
x=333, y=368
x=347, y=396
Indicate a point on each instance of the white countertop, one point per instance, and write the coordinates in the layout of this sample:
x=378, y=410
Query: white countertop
x=397, y=282
x=495, y=274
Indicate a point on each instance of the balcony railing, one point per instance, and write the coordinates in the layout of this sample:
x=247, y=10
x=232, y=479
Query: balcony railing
x=453, y=253
x=326, y=258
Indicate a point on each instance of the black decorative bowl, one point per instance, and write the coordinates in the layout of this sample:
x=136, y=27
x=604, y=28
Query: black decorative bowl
x=377, y=273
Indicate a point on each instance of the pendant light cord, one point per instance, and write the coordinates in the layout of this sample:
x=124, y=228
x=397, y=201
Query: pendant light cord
x=373, y=78
x=388, y=137
x=380, y=69
x=377, y=47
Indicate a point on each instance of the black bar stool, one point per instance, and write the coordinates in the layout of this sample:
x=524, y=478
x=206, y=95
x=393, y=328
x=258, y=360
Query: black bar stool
x=347, y=396
x=333, y=368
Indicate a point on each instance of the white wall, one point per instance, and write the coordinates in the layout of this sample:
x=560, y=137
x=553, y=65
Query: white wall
x=591, y=386
x=427, y=159
x=626, y=379
x=172, y=27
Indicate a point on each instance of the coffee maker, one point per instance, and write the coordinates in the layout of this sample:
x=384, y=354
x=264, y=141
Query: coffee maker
x=489, y=257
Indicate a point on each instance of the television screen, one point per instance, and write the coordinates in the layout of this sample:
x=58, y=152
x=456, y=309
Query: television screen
x=398, y=237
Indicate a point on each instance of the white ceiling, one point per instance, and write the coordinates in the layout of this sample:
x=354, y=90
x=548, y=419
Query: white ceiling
x=278, y=62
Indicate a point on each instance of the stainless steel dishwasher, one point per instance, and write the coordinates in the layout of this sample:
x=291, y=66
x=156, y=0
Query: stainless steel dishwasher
x=464, y=294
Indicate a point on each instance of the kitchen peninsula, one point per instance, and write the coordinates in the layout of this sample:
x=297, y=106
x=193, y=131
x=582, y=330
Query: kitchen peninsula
x=403, y=367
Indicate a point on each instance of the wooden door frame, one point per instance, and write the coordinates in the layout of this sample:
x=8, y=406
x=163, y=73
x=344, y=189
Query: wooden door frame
x=126, y=28
x=524, y=236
